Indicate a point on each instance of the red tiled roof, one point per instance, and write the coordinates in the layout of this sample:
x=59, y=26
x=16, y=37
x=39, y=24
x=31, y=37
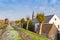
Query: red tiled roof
x=2, y=21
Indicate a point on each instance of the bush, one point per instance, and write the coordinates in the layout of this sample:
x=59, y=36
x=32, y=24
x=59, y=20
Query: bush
x=24, y=25
x=31, y=26
x=2, y=26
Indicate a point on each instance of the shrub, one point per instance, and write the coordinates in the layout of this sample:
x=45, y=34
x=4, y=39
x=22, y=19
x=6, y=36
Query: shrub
x=30, y=27
x=2, y=26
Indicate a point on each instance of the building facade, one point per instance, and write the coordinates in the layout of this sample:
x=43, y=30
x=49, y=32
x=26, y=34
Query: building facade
x=50, y=19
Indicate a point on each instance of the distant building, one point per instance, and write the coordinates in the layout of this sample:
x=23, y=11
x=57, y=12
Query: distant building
x=2, y=21
x=33, y=16
x=6, y=21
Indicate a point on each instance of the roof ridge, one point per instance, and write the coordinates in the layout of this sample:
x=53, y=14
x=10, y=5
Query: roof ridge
x=51, y=15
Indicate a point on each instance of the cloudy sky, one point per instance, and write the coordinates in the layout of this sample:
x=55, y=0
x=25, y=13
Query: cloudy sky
x=17, y=9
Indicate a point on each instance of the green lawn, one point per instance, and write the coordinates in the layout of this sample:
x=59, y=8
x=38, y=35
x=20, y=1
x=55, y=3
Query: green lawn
x=34, y=36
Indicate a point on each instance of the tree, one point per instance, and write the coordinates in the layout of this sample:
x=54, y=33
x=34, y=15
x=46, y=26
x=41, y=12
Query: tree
x=25, y=24
x=31, y=26
x=22, y=21
x=17, y=21
x=28, y=19
x=40, y=17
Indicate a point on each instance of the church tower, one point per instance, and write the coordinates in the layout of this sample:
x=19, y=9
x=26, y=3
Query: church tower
x=33, y=15
x=6, y=21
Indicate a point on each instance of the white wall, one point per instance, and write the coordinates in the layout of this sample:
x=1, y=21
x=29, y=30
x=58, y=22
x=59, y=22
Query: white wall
x=56, y=22
x=36, y=26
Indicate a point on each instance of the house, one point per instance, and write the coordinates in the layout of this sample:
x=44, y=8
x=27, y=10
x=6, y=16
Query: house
x=50, y=19
x=2, y=21
x=50, y=31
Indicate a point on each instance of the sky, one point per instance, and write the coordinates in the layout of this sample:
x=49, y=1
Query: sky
x=17, y=9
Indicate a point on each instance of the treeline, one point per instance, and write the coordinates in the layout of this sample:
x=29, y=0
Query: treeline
x=26, y=24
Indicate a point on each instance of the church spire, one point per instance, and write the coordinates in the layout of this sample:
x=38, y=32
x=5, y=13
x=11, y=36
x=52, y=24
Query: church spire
x=33, y=15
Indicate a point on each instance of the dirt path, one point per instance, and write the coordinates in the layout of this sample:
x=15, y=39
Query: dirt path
x=1, y=33
x=24, y=35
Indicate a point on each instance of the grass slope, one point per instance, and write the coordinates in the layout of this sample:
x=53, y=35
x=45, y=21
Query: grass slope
x=11, y=35
x=34, y=36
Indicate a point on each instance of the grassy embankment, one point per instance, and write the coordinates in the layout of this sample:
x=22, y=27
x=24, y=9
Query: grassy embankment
x=33, y=35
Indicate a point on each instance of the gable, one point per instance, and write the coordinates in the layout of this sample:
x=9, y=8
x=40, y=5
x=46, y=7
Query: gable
x=54, y=19
x=48, y=18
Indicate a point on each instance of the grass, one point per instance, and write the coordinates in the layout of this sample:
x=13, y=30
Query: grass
x=34, y=36
x=15, y=36
x=11, y=34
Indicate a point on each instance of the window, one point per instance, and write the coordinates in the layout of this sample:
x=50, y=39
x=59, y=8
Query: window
x=55, y=19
